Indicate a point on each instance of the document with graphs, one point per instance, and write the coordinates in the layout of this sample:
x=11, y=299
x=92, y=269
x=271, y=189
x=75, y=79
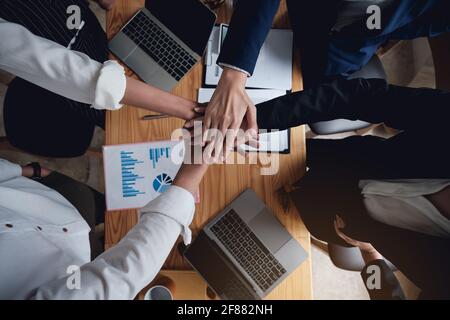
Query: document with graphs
x=135, y=174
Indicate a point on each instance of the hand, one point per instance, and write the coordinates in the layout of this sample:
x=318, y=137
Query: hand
x=197, y=113
x=227, y=109
x=28, y=172
x=106, y=4
x=196, y=137
x=368, y=252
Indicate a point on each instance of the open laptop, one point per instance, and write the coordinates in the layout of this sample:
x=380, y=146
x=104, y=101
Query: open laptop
x=163, y=41
x=245, y=252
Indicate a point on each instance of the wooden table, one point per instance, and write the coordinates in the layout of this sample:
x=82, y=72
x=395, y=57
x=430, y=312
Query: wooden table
x=222, y=183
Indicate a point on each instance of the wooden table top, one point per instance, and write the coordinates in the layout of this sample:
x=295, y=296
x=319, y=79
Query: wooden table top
x=222, y=183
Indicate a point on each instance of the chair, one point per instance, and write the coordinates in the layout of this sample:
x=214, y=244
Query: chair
x=345, y=258
x=373, y=70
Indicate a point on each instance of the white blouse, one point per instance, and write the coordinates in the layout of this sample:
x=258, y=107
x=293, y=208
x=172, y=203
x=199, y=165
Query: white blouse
x=44, y=240
x=60, y=70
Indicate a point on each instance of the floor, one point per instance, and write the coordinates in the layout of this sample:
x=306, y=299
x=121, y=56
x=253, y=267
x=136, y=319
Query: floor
x=328, y=281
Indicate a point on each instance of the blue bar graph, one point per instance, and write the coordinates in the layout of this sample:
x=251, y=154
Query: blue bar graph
x=156, y=154
x=129, y=177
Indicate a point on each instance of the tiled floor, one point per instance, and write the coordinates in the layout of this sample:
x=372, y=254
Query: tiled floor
x=328, y=281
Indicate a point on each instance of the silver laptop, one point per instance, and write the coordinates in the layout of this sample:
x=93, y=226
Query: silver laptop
x=245, y=252
x=163, y=41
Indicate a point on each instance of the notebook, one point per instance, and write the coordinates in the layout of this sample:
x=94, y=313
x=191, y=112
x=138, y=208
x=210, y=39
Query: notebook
x=279, y=141
x=273, y=69
x=135, y=174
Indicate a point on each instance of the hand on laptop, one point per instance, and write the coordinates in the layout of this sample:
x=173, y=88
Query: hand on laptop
x=229, y=107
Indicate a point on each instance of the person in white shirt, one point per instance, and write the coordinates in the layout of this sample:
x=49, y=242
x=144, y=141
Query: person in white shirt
x=44, y=240
x=65, y=81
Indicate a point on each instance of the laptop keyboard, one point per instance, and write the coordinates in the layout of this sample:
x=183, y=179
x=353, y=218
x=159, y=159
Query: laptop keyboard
x=248, y=250
x=159, y=46
x=235, y=290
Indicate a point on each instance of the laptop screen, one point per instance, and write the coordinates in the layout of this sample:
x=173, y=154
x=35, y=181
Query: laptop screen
x=189, y=20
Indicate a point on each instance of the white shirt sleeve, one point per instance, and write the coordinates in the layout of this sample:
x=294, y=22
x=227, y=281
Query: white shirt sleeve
x=125, y=269
x=9, y=170
x=58, y=69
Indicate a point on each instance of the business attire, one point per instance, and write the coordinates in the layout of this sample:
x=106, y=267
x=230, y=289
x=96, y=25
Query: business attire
x=332, y=34
x=44, y=239
x=379, y=186
x=64, y=82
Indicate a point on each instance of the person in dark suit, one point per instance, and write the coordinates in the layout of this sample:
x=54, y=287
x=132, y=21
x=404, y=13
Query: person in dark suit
x=334, y=38
x=393, y=193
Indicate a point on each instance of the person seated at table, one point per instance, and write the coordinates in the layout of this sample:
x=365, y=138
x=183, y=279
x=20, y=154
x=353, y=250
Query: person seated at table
x=393, y=193
x=336, y=38
x=45, y=244
x=65, y=81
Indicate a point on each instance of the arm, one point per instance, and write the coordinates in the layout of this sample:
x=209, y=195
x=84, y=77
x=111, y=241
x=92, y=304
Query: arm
x=121, y=272
x=230, y=103
x=74, y=75
x=370, y=100
x=9, y=170
x=249, y=26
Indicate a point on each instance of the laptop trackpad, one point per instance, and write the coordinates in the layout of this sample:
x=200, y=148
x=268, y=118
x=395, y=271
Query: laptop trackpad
x=269, y=230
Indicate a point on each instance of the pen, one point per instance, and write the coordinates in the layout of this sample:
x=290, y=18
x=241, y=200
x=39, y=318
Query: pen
x=155, y=117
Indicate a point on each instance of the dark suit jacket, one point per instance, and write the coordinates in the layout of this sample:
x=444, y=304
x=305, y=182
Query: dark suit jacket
x=325, y=53
x=330, y=187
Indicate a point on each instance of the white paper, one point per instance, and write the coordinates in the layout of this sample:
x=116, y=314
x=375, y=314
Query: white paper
x=269, y=142
x=135, y=174
x=273, y=69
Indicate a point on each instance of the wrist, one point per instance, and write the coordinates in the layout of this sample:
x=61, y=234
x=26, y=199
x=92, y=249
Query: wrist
x=235, y=77
x=190, y=176
x=189, y=112
x=27, y=171
x=371, y=255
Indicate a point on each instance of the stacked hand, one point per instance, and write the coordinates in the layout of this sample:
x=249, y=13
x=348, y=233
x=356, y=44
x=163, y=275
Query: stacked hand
x=229, y=111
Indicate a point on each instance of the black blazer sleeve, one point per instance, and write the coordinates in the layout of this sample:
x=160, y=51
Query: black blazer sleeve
x=371, y=100
x=389, y=287
x=249, y=26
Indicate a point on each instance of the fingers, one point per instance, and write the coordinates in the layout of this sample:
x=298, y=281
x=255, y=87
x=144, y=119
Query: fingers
x=338, y=225
x=251, y=117
x=251, y=140
x=231, y=139
x=201, y=108
x=340, y=222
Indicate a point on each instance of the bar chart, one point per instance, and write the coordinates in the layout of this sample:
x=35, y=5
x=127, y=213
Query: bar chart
x=135, y=174
x=157, y=153
x=129, y=176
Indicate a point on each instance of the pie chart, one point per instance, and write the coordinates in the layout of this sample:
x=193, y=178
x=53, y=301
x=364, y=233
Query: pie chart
x=162, y=182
